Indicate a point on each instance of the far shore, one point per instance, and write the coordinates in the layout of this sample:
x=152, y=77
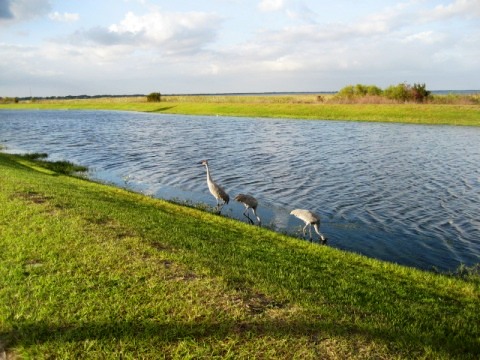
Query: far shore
x=305, y=106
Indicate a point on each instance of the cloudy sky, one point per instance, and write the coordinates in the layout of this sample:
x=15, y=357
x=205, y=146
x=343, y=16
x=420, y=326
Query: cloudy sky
x=74, y=47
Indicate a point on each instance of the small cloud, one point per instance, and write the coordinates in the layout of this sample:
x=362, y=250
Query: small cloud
x=65, y=17
x=283, y=64
x=271, y=5
x=463, y=8
x=427, y=37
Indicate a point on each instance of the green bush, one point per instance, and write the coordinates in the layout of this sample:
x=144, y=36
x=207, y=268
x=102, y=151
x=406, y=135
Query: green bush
x=405, y=92
x=374, y=90
x=402, y=92
x=346, y=92
x=154, y=97
x=359, y=90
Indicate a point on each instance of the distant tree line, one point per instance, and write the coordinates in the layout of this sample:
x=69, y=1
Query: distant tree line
x=8, y=100
x=77, y=97
x=152, y=97
x=402, y=92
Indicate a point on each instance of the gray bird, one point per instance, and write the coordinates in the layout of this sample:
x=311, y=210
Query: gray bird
x=215, y=189
x=250, y=203
x=309, y=218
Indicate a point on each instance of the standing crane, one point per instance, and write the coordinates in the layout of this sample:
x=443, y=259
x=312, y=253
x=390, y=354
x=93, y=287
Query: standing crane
x=215, y=189
x=310, y=219
x=250, y=203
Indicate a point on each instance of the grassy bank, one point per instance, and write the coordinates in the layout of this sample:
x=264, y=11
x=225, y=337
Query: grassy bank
x=295, y=107
x=91, y=271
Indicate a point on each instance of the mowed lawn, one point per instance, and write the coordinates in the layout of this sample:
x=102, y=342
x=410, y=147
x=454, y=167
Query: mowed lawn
x=92, y=271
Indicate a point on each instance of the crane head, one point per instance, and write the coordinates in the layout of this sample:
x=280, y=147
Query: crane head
x=204, y=162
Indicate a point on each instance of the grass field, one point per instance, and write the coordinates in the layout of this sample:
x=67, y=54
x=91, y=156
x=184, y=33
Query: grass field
x=291, y=106
x=92, y=271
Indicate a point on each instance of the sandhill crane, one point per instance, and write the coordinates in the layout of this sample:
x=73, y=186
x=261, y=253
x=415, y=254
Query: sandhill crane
x=250, y=203
x=215, y=189
x=309, y=218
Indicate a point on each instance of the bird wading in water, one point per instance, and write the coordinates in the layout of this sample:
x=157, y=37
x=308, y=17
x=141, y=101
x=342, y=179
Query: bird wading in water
x=310, y=219
x=215, y=189
x=250, y=203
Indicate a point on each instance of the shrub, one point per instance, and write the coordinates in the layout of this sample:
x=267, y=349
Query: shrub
x=359, y=90
x=405, y=92
x=400, y=92
x=154, y=97
x=419, y=92
x=346, y=92
x=374, y=90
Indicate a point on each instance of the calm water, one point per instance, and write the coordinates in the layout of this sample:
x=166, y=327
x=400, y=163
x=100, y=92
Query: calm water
x=403, y=193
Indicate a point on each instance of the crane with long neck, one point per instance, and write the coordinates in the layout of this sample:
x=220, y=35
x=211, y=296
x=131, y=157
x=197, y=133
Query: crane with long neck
x=310, y=219
x=216, y=190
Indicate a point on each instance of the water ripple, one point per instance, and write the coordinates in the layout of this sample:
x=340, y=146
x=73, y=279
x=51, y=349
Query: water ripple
x=403, y=193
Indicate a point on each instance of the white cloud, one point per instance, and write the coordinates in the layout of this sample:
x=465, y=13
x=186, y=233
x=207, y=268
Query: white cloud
x=65, y=17
x=426, y=37
x=271, y=5
x=462, y=8
x=167, y=32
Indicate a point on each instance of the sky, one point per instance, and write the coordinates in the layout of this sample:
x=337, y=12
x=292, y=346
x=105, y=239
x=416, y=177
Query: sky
x=125, y=47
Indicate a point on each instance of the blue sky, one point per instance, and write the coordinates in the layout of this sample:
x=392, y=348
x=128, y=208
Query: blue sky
x=74, y=47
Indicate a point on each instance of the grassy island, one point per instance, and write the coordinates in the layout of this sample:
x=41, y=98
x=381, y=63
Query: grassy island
x=444, y=111
x=92, y=271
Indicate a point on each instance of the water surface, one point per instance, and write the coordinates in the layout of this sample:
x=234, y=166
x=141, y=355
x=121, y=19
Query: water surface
x=404, y=193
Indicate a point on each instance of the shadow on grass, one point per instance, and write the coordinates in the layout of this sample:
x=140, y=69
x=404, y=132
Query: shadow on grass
x=165, y=108
x=157, y=332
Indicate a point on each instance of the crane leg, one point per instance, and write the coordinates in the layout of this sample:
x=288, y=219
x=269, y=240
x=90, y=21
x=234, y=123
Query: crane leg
x=258, y=218
x=245, y=213
x=219, y=207
x=305, y=230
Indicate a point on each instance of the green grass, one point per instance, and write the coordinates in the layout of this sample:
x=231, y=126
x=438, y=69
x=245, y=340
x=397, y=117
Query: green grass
x=295, y=107
x=92, y=271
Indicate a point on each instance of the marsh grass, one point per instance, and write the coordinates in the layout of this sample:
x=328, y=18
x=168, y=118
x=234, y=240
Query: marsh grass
x=59, y=167
x=92, y=271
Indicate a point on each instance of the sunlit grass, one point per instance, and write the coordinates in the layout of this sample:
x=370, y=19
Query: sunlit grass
x=324, y=107
x=91, y=271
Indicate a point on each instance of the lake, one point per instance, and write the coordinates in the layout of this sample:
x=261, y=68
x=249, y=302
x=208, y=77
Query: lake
x=408, y=194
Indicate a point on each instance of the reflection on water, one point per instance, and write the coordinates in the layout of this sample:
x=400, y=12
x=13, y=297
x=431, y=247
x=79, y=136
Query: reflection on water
x=404, y=193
